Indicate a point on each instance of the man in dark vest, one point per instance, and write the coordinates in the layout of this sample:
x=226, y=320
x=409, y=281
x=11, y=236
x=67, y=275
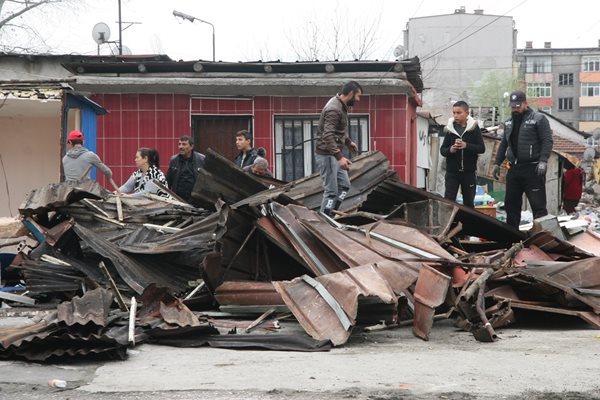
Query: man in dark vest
x=184, y=167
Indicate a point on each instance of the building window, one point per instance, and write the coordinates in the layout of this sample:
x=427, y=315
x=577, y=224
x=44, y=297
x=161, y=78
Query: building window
x=538, y=65
x=295, y=142
x=590, y=114
x=590, y=89
x=565, y=79
x=565, y=104
x=539, y=89
x=590, y=64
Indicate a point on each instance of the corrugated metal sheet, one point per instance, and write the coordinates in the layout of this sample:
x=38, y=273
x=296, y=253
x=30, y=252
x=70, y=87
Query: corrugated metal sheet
x=578, y=279
x=247, y=293
x=313, y=307
x=93, y=306
x=55, y=195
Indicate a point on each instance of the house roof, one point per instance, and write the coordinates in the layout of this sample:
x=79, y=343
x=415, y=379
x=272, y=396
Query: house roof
x=561, y=146
x=565, y=124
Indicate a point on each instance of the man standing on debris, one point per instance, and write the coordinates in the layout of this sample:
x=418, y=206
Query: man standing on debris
x=526, y=144
x=78, y=161
x=332, y=136
x=247, y=155
x=462, y=144
x=184, y=167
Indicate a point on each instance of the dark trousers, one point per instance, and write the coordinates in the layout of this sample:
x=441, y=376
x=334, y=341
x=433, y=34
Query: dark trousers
x=523, y=179
x=468, y=184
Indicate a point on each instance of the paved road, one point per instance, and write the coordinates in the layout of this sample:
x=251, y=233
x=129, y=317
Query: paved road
x=534, y=361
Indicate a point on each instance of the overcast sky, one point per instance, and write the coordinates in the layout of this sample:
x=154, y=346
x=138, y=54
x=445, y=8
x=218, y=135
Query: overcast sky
x=251, y=30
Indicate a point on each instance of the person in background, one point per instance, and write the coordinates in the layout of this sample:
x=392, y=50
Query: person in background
x=259, y=167
x=332, y=136
x=247, y=155
x=462, y=145
x=573, y=182
x=78, y=160
x=184, y=167
x=527, y=143
x=148, y=170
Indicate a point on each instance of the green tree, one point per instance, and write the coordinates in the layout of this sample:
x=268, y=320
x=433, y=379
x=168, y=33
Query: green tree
x=490, y=91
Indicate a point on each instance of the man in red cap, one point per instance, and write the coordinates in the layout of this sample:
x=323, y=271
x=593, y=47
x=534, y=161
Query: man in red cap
x=78, y=161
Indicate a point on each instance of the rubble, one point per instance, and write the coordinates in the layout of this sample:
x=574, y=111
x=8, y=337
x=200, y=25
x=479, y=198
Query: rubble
x=259, y=256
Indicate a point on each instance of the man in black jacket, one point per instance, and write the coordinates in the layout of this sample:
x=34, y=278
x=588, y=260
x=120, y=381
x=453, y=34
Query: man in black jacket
x=184, y=167
x=247, y=155
x=462, y=144
x=527, y=143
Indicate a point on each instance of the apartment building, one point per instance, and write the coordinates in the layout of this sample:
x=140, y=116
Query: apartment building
x=564, y=82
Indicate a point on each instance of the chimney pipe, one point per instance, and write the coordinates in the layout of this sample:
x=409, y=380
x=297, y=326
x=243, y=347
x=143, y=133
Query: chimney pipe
x=460, y=10
x=547, y=45
x=478, y=11
x=529, y=45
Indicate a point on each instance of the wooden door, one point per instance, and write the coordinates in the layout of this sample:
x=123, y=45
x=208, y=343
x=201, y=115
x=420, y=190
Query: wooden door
x=218, y=133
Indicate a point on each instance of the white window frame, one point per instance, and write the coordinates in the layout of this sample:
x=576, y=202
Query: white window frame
x=590, y=63
x=539, y=89
x=590, y=89
x=310, y=122
x=539, y=65
x=590, y=114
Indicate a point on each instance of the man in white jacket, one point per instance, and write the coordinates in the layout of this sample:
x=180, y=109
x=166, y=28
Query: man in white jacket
x=462, y=145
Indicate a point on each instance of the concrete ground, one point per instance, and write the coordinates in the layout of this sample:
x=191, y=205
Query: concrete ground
x=533, y=360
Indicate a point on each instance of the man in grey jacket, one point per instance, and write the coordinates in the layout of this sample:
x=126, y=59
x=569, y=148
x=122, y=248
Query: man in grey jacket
x=78, y=161
x=526, y=144
x=331, y=139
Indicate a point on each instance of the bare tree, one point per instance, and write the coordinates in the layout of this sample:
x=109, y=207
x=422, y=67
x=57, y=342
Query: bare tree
x=13, y=24
x=339, y=37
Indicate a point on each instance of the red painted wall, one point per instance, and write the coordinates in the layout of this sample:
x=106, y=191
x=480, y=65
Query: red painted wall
x=157, y=120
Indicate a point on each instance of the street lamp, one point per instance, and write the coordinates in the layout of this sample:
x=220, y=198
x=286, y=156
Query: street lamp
x=192, y=19
x=504, y=97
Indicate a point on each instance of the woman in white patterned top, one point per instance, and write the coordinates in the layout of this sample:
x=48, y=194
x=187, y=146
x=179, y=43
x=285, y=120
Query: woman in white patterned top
x=148, y=171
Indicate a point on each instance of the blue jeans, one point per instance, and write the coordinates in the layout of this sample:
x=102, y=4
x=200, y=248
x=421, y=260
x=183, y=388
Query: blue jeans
x=336, y=182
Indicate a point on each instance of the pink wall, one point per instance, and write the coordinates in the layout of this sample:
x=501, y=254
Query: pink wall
x=157, y=120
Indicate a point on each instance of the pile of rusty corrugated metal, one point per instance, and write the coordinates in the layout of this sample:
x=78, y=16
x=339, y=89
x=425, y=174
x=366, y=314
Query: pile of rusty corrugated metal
x=104, y=272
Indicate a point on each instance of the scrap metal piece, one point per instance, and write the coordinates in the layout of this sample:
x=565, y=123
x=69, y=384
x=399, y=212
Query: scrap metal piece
x=93, y=306
x=247, y=293
x=430, y=292
x=55, y=195
x=113, y=286
x=383, y=281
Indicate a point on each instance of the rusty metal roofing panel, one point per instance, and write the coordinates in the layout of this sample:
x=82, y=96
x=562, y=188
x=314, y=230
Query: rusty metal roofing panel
x=430, y=292
x=391, y=193
x=93, y=306
x=135, y=274
x=222, y=179
x=45, y=277
x=530, y=253
x=247, y=293
x=549, y=243
x=267, y=227
x=55, y=195
x=367, y=171
x=351, y=252
x=199, y=235
x=316, y=255
x=315, y=312
x=587, y=241
x=578, y=279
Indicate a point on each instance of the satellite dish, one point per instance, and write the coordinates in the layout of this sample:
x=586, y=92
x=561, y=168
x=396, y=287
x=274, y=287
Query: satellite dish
x=589, y=154
x=101, y=33
x=126, y=51
x=399, y=51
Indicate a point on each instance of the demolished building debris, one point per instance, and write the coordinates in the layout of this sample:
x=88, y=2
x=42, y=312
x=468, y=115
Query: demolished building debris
x=258, y=256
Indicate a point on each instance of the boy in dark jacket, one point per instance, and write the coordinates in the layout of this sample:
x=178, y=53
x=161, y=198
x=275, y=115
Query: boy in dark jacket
x=461, y=146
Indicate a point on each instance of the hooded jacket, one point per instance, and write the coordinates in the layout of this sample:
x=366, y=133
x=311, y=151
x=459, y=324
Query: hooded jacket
x=534, y=140
x=464, y=160
x=77, y=161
